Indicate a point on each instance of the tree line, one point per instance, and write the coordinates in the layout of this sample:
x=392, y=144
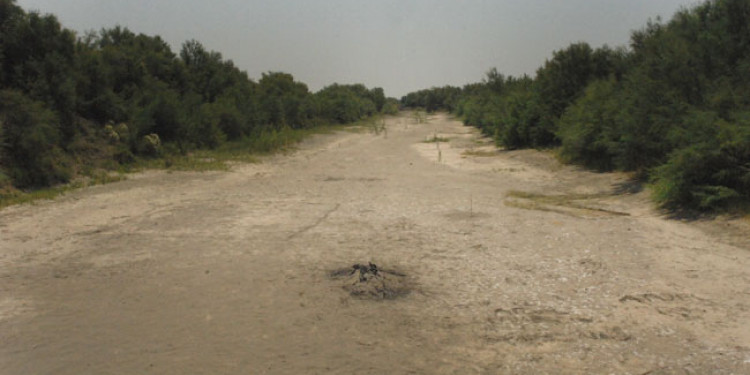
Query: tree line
x=69, y=103
x=673, y=106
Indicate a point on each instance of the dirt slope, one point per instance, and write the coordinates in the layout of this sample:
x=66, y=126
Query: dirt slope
x=513, y=264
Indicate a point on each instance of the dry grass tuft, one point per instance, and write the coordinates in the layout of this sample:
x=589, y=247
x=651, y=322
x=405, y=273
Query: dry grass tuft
x=437, y=139
x=568, y=204
x=479, y=153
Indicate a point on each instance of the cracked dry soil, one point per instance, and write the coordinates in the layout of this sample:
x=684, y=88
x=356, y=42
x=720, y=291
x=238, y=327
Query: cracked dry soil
x=518, y=266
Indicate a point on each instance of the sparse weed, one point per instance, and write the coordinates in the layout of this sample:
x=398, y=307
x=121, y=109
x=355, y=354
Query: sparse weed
x=376, y=125
x=480, y=153
x=419, y=116
x=436, y=139
x=509, y=170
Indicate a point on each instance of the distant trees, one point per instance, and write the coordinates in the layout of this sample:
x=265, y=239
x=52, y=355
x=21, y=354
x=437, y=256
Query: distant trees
x=433, y=99
x=674, y=106
x=349, y=103
x=68, y=102
x=391, y=106
x=282, y=98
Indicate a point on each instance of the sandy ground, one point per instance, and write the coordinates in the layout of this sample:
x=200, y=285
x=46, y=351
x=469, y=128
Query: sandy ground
x=516, y=264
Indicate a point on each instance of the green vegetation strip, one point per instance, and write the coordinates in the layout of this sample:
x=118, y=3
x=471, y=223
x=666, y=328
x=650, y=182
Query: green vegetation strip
x=248, y=150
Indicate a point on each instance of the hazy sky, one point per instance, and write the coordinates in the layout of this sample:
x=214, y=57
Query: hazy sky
x=400, y=45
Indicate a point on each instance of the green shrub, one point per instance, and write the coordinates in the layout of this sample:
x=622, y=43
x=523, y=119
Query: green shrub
x=110, y=134
x=31, y=153
x=150, y=145
x=391, y=106
x=586, y=128
x=123, y=132
x=712, y=175
x=519, y=124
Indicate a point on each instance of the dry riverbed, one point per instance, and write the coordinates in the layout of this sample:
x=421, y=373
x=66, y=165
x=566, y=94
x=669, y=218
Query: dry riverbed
x=373, y=254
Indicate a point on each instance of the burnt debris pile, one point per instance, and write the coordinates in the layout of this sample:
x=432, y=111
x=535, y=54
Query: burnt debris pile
x=368, y=281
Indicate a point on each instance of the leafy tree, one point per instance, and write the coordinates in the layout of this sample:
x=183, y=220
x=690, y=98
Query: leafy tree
x=345, y=103
x=30, y=153
x=38, y=60
x=391, y=106
x=434, y=99
x=588, y=127
x=521, y=115
x=559, y=83
x=377, y=95
x=281, y=98
x=712, y=174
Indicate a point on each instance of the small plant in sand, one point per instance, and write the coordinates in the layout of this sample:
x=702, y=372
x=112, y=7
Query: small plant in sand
x=436, y=139
x=440, y=152
x=480, y=153
x=377, y=126
x=419, y=117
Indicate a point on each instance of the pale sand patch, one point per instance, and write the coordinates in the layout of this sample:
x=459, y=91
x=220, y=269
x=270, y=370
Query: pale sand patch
x=229, y=272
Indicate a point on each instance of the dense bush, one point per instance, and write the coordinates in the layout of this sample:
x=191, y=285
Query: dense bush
x=391, y=106
x=674, y=106
x=712, y=173
x=680, y=113
x=63, y=95
x=348, y=103
x=30, y=154
x=436, y=98
x=588, y=129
